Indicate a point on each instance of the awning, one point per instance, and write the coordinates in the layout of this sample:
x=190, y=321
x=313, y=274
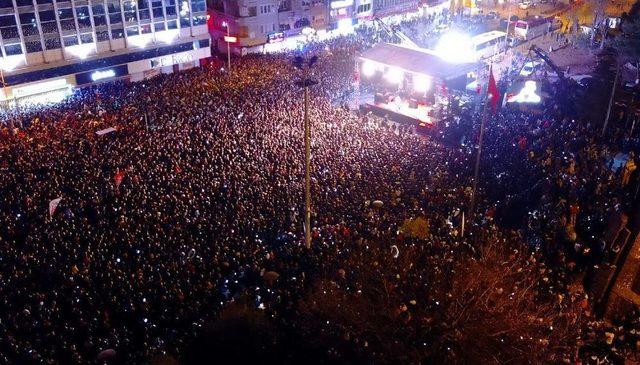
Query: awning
x=418, y=61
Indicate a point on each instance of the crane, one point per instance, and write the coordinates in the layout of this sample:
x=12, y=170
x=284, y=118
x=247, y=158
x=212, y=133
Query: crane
x=404, y=40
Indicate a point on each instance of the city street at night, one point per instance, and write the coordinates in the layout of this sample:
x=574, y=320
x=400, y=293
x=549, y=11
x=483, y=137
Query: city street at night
x=319, y=182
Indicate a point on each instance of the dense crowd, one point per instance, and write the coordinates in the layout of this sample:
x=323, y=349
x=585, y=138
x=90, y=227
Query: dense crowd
x=196, y=198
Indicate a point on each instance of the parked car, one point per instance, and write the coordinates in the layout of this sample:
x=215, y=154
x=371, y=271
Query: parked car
x=582, y=80
x=530, y=67
x=526, y=4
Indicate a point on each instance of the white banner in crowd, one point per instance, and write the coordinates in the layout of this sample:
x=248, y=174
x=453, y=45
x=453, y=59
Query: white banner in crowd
x=53, y=205
x=105, y=131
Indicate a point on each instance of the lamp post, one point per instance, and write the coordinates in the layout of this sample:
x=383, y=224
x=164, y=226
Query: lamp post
x=229, y=39
x=305, y=83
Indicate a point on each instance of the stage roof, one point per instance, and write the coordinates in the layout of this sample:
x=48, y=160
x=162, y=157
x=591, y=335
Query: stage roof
x=419, y=61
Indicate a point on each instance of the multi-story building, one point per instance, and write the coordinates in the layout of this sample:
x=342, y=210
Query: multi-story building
x=385, y=8
x=259, y=23
x=57, y=44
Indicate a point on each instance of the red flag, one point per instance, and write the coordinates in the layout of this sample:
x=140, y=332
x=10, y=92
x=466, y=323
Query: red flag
x=118, y=178
x=492, y=91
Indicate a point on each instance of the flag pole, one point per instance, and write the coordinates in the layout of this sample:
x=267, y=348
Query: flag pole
x=476, y=170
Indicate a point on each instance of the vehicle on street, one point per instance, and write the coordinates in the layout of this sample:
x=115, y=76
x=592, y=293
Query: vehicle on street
x=530, y=67
x=526, y=4
x=488, y=44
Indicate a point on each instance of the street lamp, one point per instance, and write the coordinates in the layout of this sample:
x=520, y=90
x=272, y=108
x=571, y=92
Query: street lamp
x=229, y=39
x=304, y=83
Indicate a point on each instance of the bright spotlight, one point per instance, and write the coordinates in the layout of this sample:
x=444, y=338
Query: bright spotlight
x=10, y=63
x=368, y=68
x=455, y=48
x=345, y=26
x=167, y=36
x=527, y=94
x=394, y=75
x=81, y=51
x=421, y=83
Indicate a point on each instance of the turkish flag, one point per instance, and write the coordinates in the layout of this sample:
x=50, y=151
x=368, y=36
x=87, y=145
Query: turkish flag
x=118, y=178
x=492, y=91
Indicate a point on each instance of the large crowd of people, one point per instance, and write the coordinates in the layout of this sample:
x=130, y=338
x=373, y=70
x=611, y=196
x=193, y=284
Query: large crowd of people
x=197, y=198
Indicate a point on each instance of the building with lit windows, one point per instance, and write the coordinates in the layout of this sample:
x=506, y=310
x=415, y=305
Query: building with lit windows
x=263, y=25
x=52, y=45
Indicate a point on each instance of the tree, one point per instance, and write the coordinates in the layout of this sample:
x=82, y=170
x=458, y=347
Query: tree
x=628, y=42
x=486, y=306
x=599, y=19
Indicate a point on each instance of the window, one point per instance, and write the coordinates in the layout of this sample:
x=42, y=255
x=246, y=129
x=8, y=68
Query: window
x=32, y=47
x=284, y=27
x=117, y=33
x=99, y=20
x=66, y=19
x=102, y=35
x=52, y=43
x=265, y=9
x=13, y=49
x=170, y=8
x=70, y=41
x=86, y=38
x=200, y=20
x=198, y=5
x=131, y=31
x=28, y=21
x=252, y=11
x=84, y=20
x=9, y=33
x=363, y=8
x=203, y=43
x=130, y=14
x=285, y=5
x=157, y=13
x=7, y=20
x=159, y=27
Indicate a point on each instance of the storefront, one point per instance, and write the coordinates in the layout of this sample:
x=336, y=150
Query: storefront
x=342, y=16
x=45, y=91
x=55, y=83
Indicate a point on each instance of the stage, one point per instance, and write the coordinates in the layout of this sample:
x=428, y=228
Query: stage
x=401, y=111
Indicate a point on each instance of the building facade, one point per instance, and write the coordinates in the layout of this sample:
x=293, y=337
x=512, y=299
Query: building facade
x=260, y=23
x=66, y=43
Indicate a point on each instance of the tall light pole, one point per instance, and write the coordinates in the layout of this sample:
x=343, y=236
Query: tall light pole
x=305, y=83
x=613, y=93
x=4, y=85
x=229, y=39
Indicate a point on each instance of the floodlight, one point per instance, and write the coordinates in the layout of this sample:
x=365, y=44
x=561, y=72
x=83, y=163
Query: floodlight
x=394, y=75
x=421, y=83
x=9, y=63
x=81, y=50
x=368, y=68
x=167, y=36
x=345, y=26
x=455, y=47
